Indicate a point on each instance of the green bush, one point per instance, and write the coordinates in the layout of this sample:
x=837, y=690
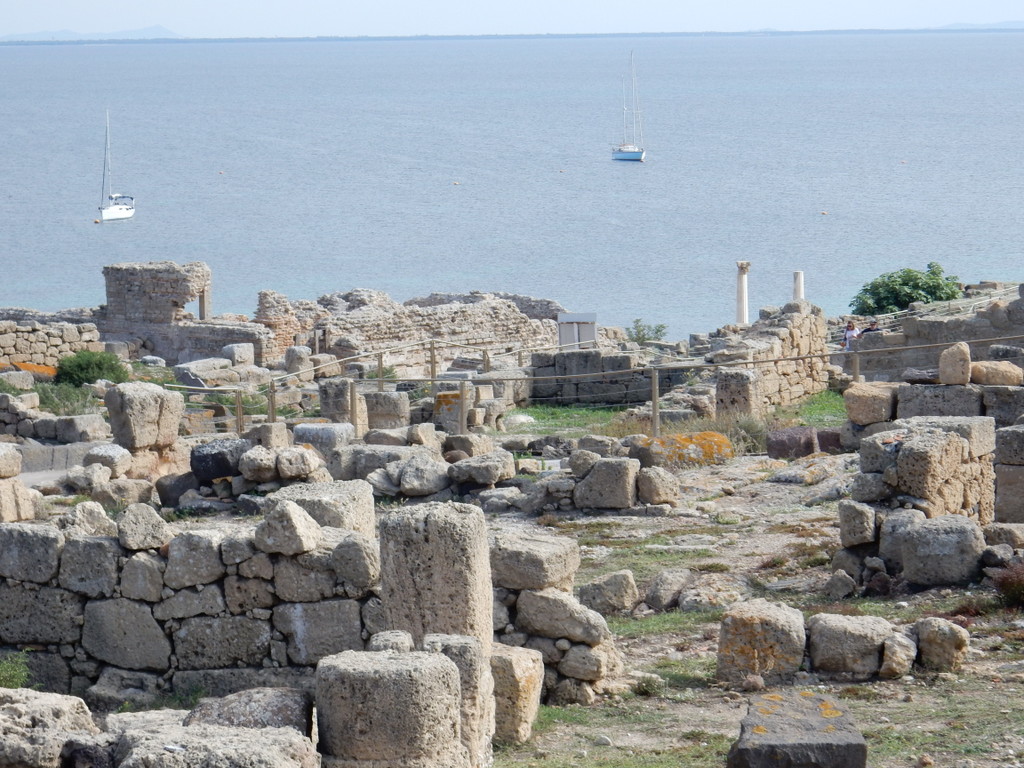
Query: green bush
x=641, y=332
x=87, y=367
x=14, y=670
x=895, y=291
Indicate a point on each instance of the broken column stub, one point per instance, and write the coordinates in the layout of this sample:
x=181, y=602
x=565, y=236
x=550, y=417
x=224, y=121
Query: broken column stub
x=144, y=415
x=436, y=573
x=389, y=710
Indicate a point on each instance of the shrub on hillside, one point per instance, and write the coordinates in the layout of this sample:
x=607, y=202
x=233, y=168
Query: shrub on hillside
x=14, y=670
x=86, y=367
x=1009, y=583
x=895, y=291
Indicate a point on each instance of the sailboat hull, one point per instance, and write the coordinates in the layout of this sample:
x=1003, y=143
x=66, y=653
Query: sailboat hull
x=116, y=212
x=628, y=153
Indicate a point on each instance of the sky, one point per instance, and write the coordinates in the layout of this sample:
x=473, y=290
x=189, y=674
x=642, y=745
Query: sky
x=376, y=18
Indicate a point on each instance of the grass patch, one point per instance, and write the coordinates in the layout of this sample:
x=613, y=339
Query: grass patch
x=14, y=671
x=823, y=409
x=691, y=672
x=66, y=399
x=668, y=623
x=565, y=419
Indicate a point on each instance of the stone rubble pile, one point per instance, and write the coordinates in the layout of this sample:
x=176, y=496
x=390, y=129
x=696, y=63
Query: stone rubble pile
x=764, y=643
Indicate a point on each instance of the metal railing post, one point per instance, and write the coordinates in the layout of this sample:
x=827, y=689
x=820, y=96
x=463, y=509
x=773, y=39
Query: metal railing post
x=855, y=367
x=239, y=413
x=463, y=407
x=433, y=368
x=655, y=408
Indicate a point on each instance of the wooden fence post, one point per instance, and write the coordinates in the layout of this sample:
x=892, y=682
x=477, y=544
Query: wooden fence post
x=272, y=402
x=655, y=406
x=239, y=413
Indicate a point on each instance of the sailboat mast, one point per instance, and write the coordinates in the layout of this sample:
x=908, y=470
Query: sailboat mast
x=105, y=192
x=638, y=131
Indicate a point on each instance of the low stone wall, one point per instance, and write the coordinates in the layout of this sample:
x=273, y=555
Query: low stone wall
x=226, y=608
x=888, y=358
x=45, y=343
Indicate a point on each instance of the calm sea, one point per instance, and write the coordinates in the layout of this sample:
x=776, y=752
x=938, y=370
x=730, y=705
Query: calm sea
x=414, y=166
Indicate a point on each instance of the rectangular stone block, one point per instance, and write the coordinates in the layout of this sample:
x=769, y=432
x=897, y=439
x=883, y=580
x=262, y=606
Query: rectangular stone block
x=938, y=400
x=870, y=403
x=1009, y=493
x=978, y=431
x=797, y=728
x=1010, y=445
x=1004, y=404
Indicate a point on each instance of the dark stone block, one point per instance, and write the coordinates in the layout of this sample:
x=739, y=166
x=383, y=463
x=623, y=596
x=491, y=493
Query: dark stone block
x=830, y=440
x=797, y=729
x=792, y=442
x=171, y=487
x=218, y=458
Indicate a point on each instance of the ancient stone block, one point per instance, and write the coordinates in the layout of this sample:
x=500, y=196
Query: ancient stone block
x=82, y=429
x=792, y=442
x=847, y=645
x=124, y=633
x=477, y=689
x=869, y=403
x=926, y=460
x=39, y=616
x=1009, y=502
x=856, y=523
x=760, y=638
x=938, y=400
x=297, y=462
x=942, y=645
x=186, y=603
x=335, y=403
x=533, y=560
x=316, y=630
x=408, y=709
x=10, y=461
x=486, y=469
x=518, y=681
x=611, y=594
x=610, y=484
x=16, y=502
x=193, y=557
x=36, y=726
x=355, y=559
x=243, y=594
x=258, y=464
x=435, y=571
x=997, y=373
x=218, y=458
x=324, y=437
x=978, y=431
x=142, y=577
x=287, y=529
x=942, y=551
x=211, y=643
x=344, y=504
x=555, y=614
x=955, y=364
x=30, y=552
x=258, y=708
x=144, y=415
x=140, y=527
x=797, y=728
x=1004, y=404
x=656, y=485
x=387, y=410
x=298, y=584
x=110, y=455
x=89, y=565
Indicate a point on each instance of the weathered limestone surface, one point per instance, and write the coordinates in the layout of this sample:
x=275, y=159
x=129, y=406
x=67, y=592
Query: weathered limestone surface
x=435, y=571
x=410, y=714
x=518, y=680
x=760, y=638
x=144, y=415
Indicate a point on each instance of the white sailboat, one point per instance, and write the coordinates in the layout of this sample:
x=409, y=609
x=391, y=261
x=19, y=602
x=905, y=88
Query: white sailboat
x=632, y=147
x=113, y=206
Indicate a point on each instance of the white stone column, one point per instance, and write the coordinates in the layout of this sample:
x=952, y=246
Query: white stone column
x=743, y=267
x=798, y=286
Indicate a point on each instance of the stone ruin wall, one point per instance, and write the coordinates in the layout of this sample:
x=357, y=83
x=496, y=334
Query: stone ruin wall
x=798, y=329
x=45, y=343
x=887, y=357
x=222, y=609
x=367, y=321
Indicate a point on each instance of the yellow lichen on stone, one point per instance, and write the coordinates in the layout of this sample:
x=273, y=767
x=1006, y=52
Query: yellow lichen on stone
x=774, y=697
x=696, y=449
x=767, y=710
x=807, y=694
x=760, y=730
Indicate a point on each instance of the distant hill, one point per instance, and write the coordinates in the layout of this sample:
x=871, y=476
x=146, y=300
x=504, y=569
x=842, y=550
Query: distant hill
x=149, y=33
x=998, y=25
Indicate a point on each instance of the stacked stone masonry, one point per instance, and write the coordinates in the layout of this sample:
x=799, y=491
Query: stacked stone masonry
x=45, y=343
x=224, y=609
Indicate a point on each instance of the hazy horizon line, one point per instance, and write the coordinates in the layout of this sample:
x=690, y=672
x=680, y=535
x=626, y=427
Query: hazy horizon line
x=29, y=38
